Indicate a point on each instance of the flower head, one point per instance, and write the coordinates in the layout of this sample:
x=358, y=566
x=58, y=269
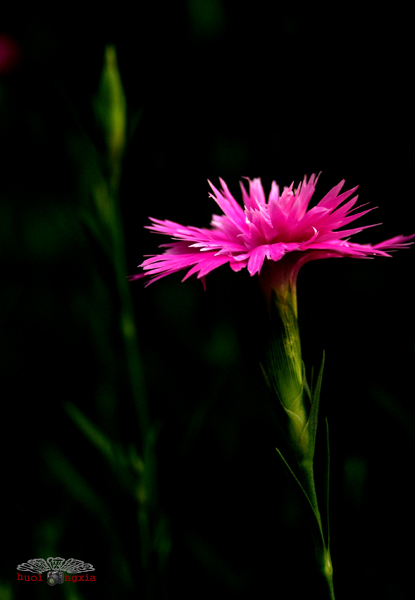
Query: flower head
x=272, y=238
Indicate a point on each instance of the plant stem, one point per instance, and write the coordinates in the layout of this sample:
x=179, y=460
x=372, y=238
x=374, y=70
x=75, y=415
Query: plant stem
x=322, y=551
x=328, y=575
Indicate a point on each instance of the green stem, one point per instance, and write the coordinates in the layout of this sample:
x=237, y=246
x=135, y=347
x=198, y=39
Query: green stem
x=297, y=405
x=328, y=575
x=322, y=552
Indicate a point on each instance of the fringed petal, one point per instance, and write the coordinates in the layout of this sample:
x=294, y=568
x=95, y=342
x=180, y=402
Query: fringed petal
x=246, y=237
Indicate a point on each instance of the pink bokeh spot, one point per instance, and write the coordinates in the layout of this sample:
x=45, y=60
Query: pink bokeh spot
x=10, y=53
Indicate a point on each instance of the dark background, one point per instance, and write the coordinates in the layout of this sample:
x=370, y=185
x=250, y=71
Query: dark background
x=215, y=89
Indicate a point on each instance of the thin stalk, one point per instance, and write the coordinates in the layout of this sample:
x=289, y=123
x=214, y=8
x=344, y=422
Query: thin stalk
x=322, y=552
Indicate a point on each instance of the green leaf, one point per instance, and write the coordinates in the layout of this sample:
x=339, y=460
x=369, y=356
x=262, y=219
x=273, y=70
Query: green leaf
x=75, y=483
x=79, y=488
x=90, y=430
x=313, y=418
x=310, y=513
x=317, y=389
x=305, y=384
x=128, y=468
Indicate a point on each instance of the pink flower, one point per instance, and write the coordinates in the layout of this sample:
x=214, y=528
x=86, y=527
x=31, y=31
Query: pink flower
x=271, y=238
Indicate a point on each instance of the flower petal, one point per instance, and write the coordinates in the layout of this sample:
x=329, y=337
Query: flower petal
x=245, y=237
